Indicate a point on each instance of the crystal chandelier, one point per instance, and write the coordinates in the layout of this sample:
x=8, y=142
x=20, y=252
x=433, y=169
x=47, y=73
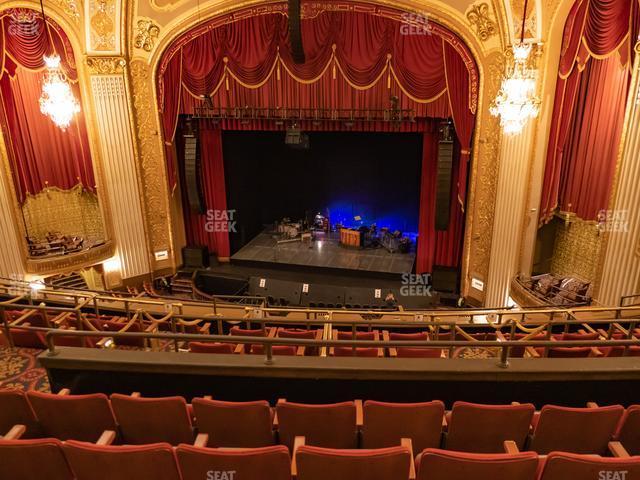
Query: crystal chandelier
x=57, y=100
x=517, y=101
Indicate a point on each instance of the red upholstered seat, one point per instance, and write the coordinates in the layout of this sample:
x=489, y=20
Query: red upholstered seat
x=433, y=464
x=151, y=420
x=33, y=460
x=77, y=417
x=147, y=462
x=267, y=463
x=243, y=332
x=385, y=424
x=414, y=352
x=210, y=347
x=330, y=426
x=483, y=428
x=567, y=466
x=113, y=325
x=632, y=351
x=275, y=350
x=232, y=424
x=567, y=352
x=518, y=352
x=298, y=333
x=316, y=463
x=575, y=430
x=628, y=432
x=15, y=409
x=360, y=351
x=25, y=338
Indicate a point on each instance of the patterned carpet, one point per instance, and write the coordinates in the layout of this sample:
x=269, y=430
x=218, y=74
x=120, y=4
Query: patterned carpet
x=19, y=368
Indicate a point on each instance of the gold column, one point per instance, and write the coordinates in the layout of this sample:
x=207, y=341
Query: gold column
x=11, y=265
x=509, y=213
x=621, y=267
x=113, y=121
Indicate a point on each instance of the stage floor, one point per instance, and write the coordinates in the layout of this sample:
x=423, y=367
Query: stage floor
x=324, y=253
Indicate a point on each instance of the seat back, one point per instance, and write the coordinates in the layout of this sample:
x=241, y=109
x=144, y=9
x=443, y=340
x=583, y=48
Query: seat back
x=275, y=350
x=569, y=352
x=433, y=464
x=75, y=417
x=298, y=333
x=483, y=428
x=272, y=463
x=629, y=430
x=14, y=410
x=518, y=352
x=152, y=420
x=115, y=326
x=316, y=463
x=563, y=466
x=330, y=426
x=243, y=332
x=385, y=424
x=231, y=424
x=575, y=430
x=33, y=459
x=208, y=347
x=147, y=462
x=419, y=352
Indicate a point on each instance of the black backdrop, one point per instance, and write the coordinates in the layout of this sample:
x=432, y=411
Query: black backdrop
x=374, y=175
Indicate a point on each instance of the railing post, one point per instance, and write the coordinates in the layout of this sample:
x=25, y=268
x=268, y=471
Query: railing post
x=174, y=331
x=268, y=350
x=51, y=345
x=504, y=357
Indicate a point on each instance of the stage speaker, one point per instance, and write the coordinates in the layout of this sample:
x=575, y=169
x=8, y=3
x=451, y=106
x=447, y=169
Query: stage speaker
x=277, y=292
x=443, y=177
x=295, y=31
x=195, y=257
x=445, y=279
x=193, y=169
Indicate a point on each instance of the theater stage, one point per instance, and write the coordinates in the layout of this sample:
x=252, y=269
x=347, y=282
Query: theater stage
x=324, y=252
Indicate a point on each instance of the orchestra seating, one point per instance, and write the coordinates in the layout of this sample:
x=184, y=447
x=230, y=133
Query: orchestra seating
x=167, y=438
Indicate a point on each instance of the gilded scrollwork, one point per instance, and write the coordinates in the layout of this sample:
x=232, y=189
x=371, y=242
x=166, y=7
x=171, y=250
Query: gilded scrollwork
x=479, y=17
x=147, y=33
x=106, y=65
x=151, y=157
x=71, y=8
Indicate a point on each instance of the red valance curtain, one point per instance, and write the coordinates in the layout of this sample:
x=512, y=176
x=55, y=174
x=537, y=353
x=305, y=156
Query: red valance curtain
x=354, y=60
x=42, y=155
x=588, y=112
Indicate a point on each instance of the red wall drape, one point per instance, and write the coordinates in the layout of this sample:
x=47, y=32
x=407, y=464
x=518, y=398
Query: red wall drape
x=41, y=154
x=589, y=107
x=200, y=229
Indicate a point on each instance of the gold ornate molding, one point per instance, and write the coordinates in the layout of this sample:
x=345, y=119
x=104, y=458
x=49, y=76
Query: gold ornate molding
x=106, y=65
x=152, y=156
x=71, y=8
x=147, y=33
x=102, y=25
x=479, y=16
x=73, y=261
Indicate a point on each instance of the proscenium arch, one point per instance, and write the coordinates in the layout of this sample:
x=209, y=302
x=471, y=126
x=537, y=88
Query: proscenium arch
x=75, y=36
x=441, y=14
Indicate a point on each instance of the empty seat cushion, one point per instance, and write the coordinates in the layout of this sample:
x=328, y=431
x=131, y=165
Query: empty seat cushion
x=33, y=459
x=331, y=426
x=563, y=466
x=434, y=464
x=628, y=432
x=316, y=463
x=234, y=424
x=73, y=417
x=145, y=462
x=15, y=409
x=385, y=424
x=152, y=420
x=483, y=428
x=268, y=463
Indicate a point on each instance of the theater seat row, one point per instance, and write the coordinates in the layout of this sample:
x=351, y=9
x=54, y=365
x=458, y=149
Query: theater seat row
x=467, y=427
x=73, y=460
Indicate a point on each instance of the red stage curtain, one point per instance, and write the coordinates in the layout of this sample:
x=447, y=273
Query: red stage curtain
x=199, y=227
x=354, y=60
x=443, y=248
x=589, y=107
x=41, y=154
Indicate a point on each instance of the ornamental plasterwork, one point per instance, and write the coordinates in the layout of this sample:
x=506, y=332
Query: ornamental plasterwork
x=103, y=25
x=481, y=20
x=71, y=8
x=146, y=34
x=106, y=65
